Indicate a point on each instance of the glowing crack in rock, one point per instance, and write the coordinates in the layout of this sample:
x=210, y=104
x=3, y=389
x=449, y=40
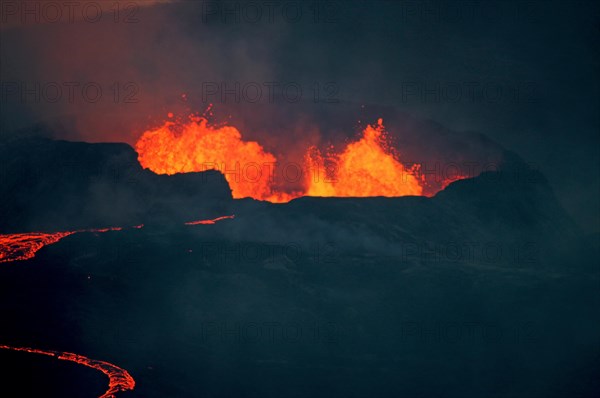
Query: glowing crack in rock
x=118, y=379
x=208, y=222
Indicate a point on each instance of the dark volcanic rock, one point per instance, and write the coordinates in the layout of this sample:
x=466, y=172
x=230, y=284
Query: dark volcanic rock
x=54, y=185
x=486, y=289
x=328, y=297
x=507, y=218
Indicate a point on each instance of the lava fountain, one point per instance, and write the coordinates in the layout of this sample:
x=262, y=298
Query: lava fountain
x=370, y=166
x=367, y=167
x=196, y=146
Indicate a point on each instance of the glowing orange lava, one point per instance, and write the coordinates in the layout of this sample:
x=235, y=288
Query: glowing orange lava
x=100, y=230
x=369, y=166
x=118, y=379
x=199, y=147
x=208, y=222
x=23, y=246
x=366, y=167
x=17, y=247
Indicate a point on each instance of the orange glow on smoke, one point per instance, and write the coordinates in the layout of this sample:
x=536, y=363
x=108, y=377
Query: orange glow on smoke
x=369, y=166
x=118, y=379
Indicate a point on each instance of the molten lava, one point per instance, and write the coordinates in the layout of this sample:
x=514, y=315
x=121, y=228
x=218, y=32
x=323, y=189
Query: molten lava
x=199, y=147
x=208, y=222
x=368, y=167
x=23, y=246
x=118, y=379
x=16, y=247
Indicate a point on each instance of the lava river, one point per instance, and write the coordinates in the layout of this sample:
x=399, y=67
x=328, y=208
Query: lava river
x=118, y=379
x=23, y=246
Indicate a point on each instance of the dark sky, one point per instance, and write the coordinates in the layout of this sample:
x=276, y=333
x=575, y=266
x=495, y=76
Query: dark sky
x=524, y=73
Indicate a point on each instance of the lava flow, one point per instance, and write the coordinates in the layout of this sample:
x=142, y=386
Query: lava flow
x=208, y=222
x=368, y=167
x=23, y=246
x=17, y=247
x=118, y=379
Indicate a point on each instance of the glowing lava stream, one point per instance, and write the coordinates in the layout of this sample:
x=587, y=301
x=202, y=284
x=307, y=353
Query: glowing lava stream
x=208, y=222
x=118, y=379
x=23, y=246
